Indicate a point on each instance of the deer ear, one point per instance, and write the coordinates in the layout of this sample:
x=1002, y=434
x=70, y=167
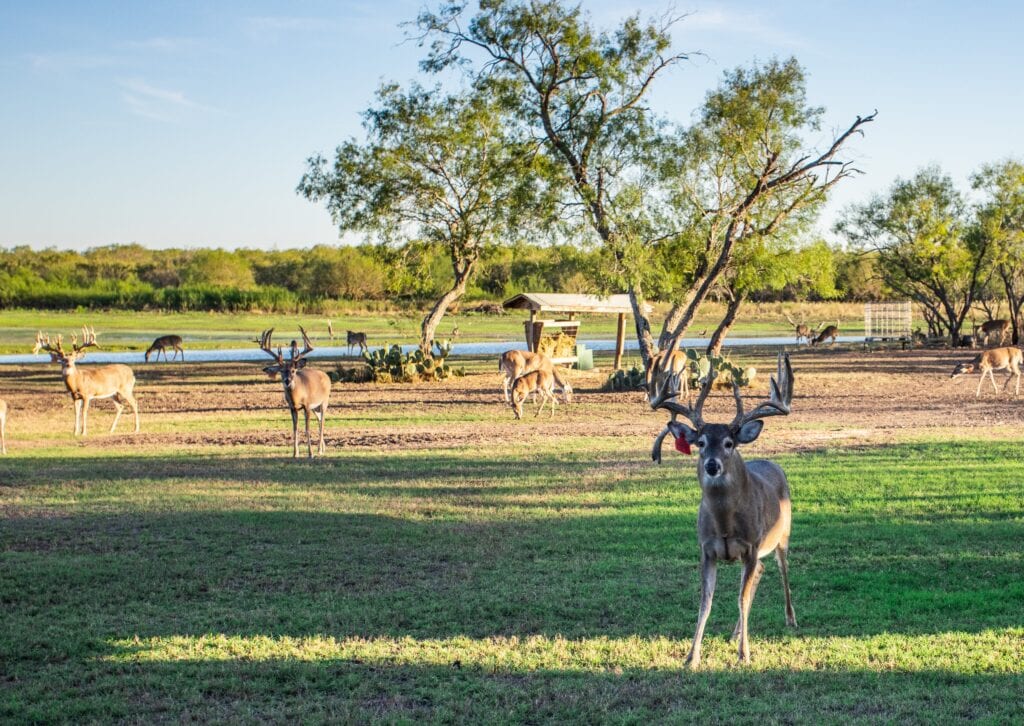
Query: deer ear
x=749, y=431
x=682, y=430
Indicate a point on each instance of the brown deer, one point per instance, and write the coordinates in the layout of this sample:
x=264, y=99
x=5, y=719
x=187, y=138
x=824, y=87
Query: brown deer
x=161, y=344
x=831, y=331
x=663, y=365
x=539, y=381
x=995, y=359
x=745, y=510
x=990, y=328
x=515, y=363
x=355, y=339
x=304, y=388
x=803, y=331
x=3, y=426
x=114, y=381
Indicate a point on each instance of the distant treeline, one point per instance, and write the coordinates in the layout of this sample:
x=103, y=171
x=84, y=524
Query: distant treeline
x=133, y=277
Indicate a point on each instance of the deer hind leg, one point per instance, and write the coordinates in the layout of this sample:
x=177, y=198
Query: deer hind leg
x=117, y=416
x=992, y=377
x=781, y=556
x=295, y=433
x=322, y=448
x=753, y=591
x=708, y=577
x=748, y=582
x=130, y=400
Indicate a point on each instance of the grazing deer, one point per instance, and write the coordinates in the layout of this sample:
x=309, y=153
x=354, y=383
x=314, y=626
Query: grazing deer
x=161, y=344
x=356, y=339
x=990, y=328
x=995, y=359
x=113, y=381
x=745, y=510
x=3, y=426
x=538, y=381
x=663, y=365
x=802, y=330
x=831, y=331
x=304, y=388
x=515, y=363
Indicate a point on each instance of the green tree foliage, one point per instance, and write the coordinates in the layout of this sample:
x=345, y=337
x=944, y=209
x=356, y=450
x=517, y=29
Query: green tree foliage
x=437, y=169
x=927, y=248
x=1001, y=223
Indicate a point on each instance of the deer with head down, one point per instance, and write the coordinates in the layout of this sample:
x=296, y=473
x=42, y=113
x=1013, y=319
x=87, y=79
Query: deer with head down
x=516, y=363
x=115, y=381
x=745, y=510
x=304, y=388
x=1009, y=359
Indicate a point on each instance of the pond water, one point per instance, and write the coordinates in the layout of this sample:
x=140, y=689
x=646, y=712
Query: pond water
x=490, y=348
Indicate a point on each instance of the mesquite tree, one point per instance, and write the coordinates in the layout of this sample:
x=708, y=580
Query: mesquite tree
x=1001, y=221
x=744, y=173
x=434, y=168
x=579, y=92
x=927, y=248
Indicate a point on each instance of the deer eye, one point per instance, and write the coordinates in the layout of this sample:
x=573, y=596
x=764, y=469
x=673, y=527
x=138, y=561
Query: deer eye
x=728, y=444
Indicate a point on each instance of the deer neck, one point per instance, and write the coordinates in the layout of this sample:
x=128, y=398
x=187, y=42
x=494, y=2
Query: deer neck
x=725, y=494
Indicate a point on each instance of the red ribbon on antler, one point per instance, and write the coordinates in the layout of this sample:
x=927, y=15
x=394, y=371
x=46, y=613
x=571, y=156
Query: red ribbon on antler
x=682, y=445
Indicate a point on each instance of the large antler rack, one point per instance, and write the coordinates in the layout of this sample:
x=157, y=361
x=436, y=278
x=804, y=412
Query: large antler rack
x=88, y=339
x=780, y=396
x=669, y=391
x=266, y=345
x=307, y=346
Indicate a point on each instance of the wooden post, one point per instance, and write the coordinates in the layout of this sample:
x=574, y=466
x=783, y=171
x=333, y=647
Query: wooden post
x=620, y=341
x=529, y=331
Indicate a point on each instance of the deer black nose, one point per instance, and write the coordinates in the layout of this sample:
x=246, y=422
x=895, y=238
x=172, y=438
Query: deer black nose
x=712, y=467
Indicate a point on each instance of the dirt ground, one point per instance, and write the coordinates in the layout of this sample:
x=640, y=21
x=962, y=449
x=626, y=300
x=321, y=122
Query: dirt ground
x=841, y=396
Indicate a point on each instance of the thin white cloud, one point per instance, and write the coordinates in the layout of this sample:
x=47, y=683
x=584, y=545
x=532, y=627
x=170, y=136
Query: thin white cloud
x=162, y=44
x=63, y=61
x=272, y=26
x=160, y=104
x=752, y=25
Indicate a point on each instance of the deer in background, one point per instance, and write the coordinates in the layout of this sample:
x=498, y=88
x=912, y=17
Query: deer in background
x=114, y=381
x=356, y=339
x=831, y=331
x=538, y=381
x=996, y=359
x=161, y=344
x=3, y=426
x=802, y=330
x=304, y=388
x=515, y=363
x=990, y=328
x=745, y=510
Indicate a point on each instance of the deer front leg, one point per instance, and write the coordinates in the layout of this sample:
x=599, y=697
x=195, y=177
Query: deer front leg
x=295, y=433
x=708, y=577
x=504, y=388
x=78, y=416
x=321, y=448
x=85, y=415
x=748, y=582
x=992, y=377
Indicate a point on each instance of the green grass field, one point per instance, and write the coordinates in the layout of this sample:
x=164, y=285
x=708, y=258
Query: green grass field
x=492, y=583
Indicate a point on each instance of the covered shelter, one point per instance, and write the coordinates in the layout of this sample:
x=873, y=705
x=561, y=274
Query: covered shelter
x=568, y=306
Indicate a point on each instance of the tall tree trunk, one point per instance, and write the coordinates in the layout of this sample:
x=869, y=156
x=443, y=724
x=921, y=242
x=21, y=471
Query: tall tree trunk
x=463, y=269
x=718, y=337
x=643, y=325
x=1015, y=300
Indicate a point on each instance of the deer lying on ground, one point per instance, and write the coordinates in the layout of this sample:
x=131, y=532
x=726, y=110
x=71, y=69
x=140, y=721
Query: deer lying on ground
x=993, y=328
x=831, y=331
x=304, y=388
x=516, y=363
x=995, y=359
x=538, y=382
x=802, y=330
x=115, y=381
x=161, y=344
x=355, y=339
x=745, y=506
x=3, y=426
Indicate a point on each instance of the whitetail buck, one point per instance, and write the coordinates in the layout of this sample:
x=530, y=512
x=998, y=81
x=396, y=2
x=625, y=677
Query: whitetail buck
x=355, y=339
x=161, y=344
x=996, y=359
x=991, y=328
x=304, y=388
x=114, y=381
x=3, y=426
x=802, y=330
x=541, y=382
x=516, y=363
x=745, y=510
x=831, y=331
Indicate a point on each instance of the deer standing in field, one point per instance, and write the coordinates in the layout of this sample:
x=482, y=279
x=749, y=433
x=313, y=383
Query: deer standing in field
x=161, y=344
x=304, y=388
x=3, y=426
x=802, y=330
x=355, y=339
x=995, y=359
x=745, y=510
x=831, y=331
x=516, y=363
x=114, y=381
x=538, y=381
x=991, y=328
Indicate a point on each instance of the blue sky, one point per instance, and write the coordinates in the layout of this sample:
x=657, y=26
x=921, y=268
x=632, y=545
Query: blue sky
x=188, y=123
